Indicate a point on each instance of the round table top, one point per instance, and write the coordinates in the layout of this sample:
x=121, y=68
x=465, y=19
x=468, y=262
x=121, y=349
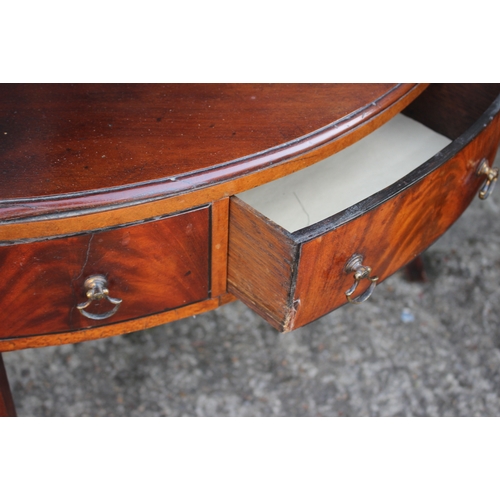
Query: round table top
x=72, y=141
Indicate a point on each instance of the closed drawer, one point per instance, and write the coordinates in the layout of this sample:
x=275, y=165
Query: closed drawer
x=151, y=267
x=292, y=270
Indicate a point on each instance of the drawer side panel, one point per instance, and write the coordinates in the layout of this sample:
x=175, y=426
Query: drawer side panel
x=260, y=263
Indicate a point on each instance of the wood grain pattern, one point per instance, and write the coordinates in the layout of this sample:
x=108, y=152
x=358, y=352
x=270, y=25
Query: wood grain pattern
x=260, y=263
x=389, y=236
x=219, y=243
x=85, y=159
x=7, y=407
x=156, y=266
x=15, y=344
x=210, y=185
x=219, y=133
x=389, y=229
x=114, y=135
x=450, y=108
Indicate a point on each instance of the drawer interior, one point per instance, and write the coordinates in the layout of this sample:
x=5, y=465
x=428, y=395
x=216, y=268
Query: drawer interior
x=385, y=199
x=451, y=108
x=348, y=177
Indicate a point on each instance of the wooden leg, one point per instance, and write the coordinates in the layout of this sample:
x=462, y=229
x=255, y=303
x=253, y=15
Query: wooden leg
x=7, y=408
x=415, y=270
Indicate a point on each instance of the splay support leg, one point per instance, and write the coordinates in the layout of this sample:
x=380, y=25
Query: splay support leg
x=7, y=408
x=415, y=270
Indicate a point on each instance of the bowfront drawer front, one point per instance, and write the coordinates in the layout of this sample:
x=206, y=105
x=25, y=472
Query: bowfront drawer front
x=104, y=277
x=292, y=273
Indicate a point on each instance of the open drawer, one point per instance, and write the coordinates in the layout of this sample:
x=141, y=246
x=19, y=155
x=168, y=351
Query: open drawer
x=306, y=244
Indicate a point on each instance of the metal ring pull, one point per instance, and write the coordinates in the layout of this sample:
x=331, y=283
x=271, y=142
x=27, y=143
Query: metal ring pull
x=491, y=178
x=96, y=287
x=355, y=265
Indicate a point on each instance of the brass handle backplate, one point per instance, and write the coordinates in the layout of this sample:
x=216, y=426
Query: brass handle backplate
x=355, y=265
x=96, y=287
x=491, y=178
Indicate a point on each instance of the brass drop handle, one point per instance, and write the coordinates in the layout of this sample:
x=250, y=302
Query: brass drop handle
x=355, y=265
x=96, y=287
x=491, y=178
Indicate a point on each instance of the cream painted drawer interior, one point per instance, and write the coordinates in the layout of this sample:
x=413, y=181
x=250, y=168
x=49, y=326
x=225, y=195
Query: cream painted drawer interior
x=384, y=199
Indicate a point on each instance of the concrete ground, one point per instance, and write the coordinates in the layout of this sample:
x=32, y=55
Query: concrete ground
x=414, y=349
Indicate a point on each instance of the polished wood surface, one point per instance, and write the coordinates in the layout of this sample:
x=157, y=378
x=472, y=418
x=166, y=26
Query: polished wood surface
x=219, y=223
x=7, y=407
x=153, y=267
x=293, y=279
x=136, y=182
x=451, y=108
x=392, y=234
x=134, y=325
x=86, y=147
x=81, y=214
x=109, y=136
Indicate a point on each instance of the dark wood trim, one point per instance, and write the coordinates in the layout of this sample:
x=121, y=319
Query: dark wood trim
x=401, y=185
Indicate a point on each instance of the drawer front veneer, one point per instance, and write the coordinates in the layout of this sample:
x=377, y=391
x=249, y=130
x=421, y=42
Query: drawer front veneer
x=152, y=267
x=292, y=279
